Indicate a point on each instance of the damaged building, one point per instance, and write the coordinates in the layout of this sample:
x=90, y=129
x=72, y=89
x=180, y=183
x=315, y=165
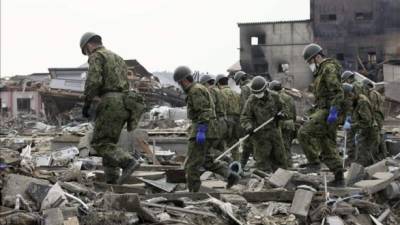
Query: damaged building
x=361, y=34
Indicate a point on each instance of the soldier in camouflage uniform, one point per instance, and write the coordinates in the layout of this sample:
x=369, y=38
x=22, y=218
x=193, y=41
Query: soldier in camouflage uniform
x=317, y=136
x=220, y=111
x=203, y=132
x=349, y=78
x=107, y=79
x=364, y=126
x=377, y=101
x=269, y=150
x=243, y=80
x=287, y=126
x=232, y=102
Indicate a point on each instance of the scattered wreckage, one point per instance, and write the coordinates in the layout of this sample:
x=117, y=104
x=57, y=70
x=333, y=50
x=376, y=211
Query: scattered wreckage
x=50, y=175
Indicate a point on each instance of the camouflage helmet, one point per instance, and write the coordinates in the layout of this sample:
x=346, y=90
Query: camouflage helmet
x=181, y=73
x=239, y=75
x=258, y=84
x=220, y=77
x=85, y=39
x=367, y=84
x=275, y=85
x=347, y=88
x=205, y=79
x=347, y=74
x=310, y=51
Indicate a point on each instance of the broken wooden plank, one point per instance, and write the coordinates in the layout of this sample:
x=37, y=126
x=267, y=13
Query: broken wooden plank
x=234, y=199
x=160, y=184
x=380, y=166
x=373, y=186
x=269, y=195
x=177, y=209
x=133, y=179
x=120, y=189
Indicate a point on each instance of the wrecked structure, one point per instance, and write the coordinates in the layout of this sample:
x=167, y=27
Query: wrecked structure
x=362, y=35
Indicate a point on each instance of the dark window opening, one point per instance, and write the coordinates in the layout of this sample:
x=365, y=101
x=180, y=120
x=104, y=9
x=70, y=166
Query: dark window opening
x=261, y=68
x=372, y=57
x=340, y=56
x=363, y=16
x=328, y=17
x=283, y=68
x=257, y=52
x=23, y=104
x=257, y=40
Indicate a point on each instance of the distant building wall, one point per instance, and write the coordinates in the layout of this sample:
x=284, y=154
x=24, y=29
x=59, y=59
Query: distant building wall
x=266, y=49
x=356, y=31
x=17, y=102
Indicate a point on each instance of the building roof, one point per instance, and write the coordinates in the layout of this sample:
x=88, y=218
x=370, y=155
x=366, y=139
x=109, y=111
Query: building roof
x=273, y=22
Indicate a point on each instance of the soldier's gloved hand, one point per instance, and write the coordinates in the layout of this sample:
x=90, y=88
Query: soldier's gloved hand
x=347, y=123
x=333, y=115
x=280, y=116
x=85, y=110
x=249, y=131
x=201, y=133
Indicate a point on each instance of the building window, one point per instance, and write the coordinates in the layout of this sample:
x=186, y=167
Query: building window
x=372, y=57
x=328, y=17
x=257, y=40
x=261, y=68
x=23, y=104
x=340, y=56
x=363, y=16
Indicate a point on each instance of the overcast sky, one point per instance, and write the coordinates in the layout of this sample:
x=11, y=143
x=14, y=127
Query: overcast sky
x=161, y=34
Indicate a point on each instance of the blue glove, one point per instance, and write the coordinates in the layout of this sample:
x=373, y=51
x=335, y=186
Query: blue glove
x=333, y=114
x=347, y=123
x=201, y=133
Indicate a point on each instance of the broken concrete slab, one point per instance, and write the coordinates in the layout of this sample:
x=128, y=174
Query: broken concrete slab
x=392, y=191
x=380, y=166
x=301, y=203
x=71, y=221
x=334, y=220
x=355, y=174
x=55, y=198
x=127, y=202
x=74, y=187
x=17, y=184
x=281, y=177
x=382, y=175
x=38, y=192
x=53, y=216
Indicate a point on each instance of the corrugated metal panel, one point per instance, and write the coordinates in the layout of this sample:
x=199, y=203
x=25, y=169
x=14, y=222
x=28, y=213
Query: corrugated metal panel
x=391, y=72
x=71, y=85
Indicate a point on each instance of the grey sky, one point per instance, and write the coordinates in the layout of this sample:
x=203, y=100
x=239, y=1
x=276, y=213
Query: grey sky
x=161, y=34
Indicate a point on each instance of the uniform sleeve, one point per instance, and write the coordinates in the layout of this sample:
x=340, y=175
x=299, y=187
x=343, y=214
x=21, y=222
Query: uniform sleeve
x=94, y=80
x=336, y=95
x=364, y=116
x=244, y=95
x=283, y=107
x=202, y=106
x=246, y=116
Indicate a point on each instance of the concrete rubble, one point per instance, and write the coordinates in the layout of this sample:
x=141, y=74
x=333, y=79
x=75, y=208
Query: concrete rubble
x=51, y=175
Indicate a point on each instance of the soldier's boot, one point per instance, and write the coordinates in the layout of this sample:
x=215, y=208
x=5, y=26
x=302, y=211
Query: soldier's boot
x=232, y=179
x=338, y=181
x=128, y=170
x=311, y=167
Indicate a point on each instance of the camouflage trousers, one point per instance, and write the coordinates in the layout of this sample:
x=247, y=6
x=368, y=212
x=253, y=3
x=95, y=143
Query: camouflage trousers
x=199, y=160
x=288, y=134
x=248, y=149
x=269, y=151
x=235, y=132
x=318, y=140
x=111, y=117
x=367, y=146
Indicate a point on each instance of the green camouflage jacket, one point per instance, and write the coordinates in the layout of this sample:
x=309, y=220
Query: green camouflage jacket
x=258, y=110
x=200, y=109
x=232, y=101
x=327, y=88
x=107, y=73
